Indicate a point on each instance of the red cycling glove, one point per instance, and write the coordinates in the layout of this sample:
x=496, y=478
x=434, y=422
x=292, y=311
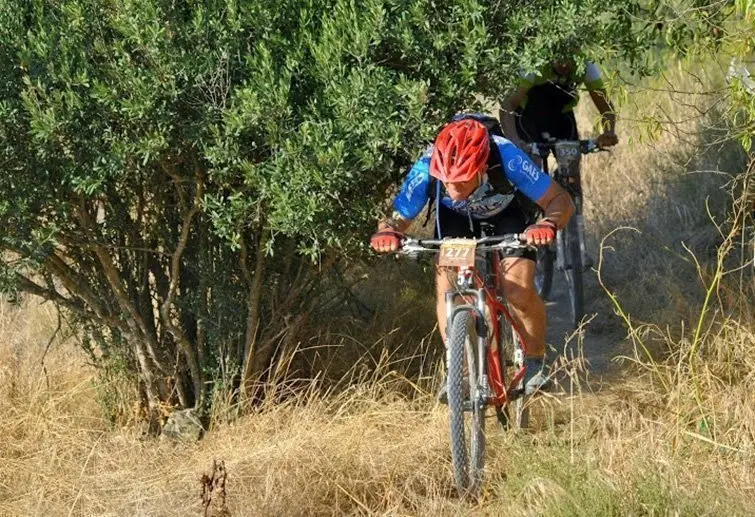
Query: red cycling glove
x=541, y=232
x=386, y=240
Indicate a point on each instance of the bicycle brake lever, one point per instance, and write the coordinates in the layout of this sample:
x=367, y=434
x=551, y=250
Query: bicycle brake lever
x=590, y=146
x=522, y=241
x=410, y=248
x=517, y=241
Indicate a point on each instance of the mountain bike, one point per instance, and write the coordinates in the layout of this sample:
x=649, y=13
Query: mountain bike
x=567, y=252
x=484, y=350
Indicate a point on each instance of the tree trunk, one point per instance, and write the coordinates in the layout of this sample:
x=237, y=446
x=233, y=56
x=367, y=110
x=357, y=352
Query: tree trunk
x=255, y=283
x=153, y=391
x=186, y=346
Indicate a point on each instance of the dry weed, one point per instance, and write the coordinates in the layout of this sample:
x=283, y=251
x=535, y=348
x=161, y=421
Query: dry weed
x=370, y=450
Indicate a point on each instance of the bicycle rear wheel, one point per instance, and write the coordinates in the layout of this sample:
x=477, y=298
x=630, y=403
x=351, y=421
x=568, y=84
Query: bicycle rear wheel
x=467, y=410
x=573, y=269
x=516, y=414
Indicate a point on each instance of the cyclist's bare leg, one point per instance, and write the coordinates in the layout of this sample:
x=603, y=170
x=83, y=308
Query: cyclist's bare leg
x=518, y=286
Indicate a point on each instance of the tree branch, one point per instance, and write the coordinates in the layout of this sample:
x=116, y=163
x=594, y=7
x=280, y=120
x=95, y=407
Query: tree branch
x=254, y=282
x=73, y=282
x=175, y=266
x=116, y=283
x=32, y=287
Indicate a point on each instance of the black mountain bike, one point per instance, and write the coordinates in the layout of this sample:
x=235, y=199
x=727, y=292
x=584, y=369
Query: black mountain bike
x=567, y=253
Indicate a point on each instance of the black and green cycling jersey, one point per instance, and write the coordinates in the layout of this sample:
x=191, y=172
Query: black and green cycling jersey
x=558, y=93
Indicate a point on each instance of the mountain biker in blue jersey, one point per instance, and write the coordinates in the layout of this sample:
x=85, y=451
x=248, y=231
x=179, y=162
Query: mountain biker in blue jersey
x=474, y=174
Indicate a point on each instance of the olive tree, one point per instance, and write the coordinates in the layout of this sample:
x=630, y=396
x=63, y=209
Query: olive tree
x=177, y=175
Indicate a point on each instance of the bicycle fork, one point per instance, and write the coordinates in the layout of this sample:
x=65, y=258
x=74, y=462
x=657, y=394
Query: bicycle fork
x=482, y=394
x=562, y=262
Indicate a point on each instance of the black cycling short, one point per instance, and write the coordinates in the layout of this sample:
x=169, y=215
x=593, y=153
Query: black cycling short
x=530, y=125
x=511, y=220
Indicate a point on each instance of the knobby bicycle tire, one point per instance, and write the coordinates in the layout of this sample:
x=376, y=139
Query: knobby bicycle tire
x=544, y=272
x=574, y=270
x=468, y=463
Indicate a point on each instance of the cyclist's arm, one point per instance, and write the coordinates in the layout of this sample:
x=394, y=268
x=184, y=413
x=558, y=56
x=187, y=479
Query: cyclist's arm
x=557, y=205
x=507, y=117
x=594, y=83
x=606, y=109
x=412, y=197
x=535, y=184
x=395, y=222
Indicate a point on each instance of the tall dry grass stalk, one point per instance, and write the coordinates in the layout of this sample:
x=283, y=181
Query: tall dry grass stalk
x=669, y=174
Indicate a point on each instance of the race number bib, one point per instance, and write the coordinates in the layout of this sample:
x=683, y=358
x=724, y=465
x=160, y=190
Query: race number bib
x=458, y=253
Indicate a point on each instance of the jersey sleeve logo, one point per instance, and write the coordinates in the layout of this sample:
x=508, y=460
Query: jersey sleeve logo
x=417, y=180
x=526, y=167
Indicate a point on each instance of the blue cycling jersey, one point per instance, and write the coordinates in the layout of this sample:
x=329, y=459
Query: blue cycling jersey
x=485, y=202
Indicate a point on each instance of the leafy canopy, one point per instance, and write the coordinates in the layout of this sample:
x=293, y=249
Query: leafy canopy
x=300, y=119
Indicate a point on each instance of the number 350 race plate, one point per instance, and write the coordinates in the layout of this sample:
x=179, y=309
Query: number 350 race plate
x=457, y=253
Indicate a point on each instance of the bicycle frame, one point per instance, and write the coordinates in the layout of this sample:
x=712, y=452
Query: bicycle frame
x=568, y=252
x=503, y=394
x=481, y=301
x=474, y=301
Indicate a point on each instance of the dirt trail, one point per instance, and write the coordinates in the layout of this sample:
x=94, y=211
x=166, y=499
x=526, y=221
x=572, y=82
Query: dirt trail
x=599, y=348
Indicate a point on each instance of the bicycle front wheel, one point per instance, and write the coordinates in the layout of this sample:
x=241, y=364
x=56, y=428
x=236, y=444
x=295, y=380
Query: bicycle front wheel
x=466, y=407
x=573, y=269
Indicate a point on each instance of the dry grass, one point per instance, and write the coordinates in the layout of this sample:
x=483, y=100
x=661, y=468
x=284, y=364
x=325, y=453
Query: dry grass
x=673, y=435
x=366, y=451
x=668, y=177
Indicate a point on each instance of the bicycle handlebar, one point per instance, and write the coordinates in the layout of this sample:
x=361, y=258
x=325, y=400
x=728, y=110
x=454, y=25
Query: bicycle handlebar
x=585, y=146
x=498, y=242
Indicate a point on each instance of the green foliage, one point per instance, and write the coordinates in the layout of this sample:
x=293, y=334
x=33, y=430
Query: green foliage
x=695, y=28
x=301, y=120
x=157, y=154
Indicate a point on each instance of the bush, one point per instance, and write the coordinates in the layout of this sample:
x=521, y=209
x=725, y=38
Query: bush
x=179, y=175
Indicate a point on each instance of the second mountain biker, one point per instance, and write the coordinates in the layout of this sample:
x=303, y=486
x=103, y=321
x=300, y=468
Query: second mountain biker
x=544, y=104
x=545, y=101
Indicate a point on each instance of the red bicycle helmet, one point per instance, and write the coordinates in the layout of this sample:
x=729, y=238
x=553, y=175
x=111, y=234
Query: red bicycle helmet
x=461, y=151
